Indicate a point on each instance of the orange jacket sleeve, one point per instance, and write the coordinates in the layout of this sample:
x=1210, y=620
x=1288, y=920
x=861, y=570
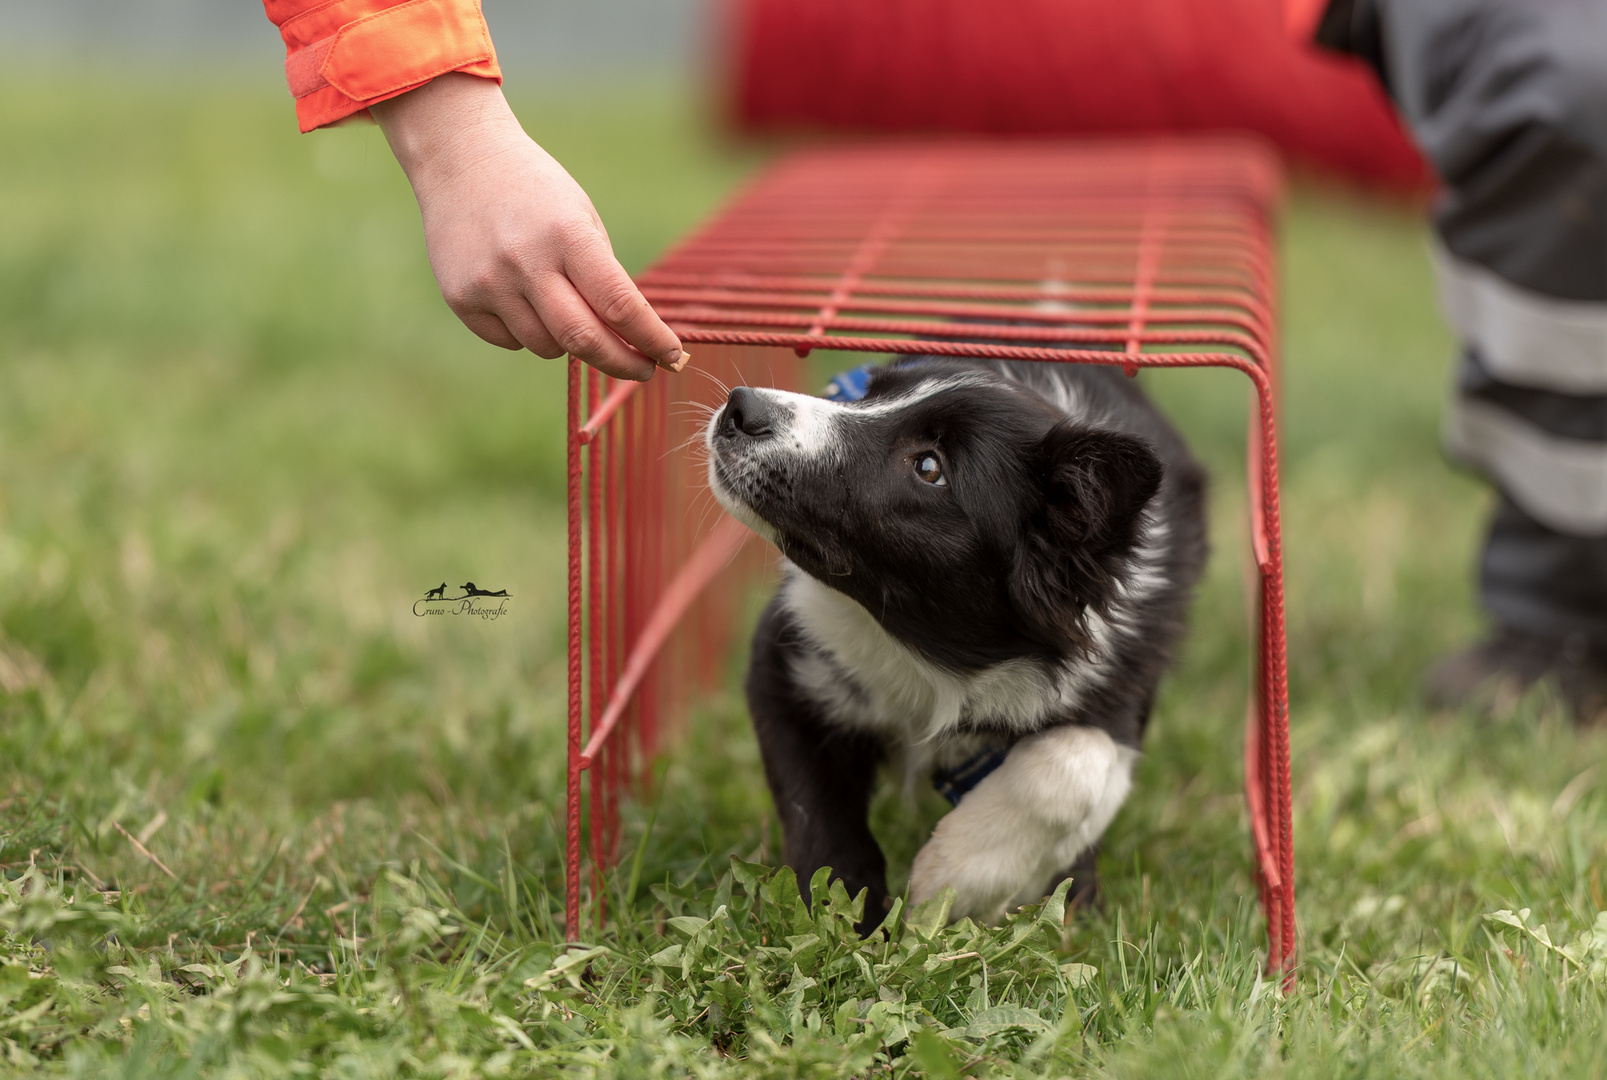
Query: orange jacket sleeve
x=342, y=56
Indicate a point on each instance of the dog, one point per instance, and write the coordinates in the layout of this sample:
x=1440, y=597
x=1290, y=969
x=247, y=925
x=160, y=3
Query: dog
x=986, y=566
x=437, y=593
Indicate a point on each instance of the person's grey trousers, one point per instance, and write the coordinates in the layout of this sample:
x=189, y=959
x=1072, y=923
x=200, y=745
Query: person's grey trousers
x=1508, y=100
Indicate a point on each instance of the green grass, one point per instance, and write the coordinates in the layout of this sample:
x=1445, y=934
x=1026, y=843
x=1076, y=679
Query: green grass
x=239, y=433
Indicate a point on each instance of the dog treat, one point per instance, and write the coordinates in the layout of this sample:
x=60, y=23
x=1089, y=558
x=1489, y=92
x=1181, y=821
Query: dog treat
x=680, y=363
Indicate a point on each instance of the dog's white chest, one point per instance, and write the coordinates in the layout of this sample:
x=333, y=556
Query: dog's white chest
x=867, y=679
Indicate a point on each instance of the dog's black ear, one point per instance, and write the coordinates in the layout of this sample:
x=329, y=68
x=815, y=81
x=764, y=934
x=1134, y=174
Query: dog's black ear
x=1093, y=486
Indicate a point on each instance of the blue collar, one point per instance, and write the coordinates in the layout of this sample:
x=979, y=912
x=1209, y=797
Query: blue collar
x=956, y=783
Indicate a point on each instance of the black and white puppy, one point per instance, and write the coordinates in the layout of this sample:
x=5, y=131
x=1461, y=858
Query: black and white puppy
x=982, y=560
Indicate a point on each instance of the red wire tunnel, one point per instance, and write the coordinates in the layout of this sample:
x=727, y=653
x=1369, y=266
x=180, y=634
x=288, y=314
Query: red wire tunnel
x=1142, y=253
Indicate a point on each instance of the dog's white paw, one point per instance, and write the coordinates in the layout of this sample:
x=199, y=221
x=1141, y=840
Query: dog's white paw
x=1055, y=794
x=983, y=881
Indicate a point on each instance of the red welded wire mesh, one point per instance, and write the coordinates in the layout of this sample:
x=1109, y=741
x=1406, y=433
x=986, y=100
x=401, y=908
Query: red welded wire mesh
x=1153, y=253
x=654, y=569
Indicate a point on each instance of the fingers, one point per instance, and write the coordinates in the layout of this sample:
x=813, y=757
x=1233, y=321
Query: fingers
x=513, y=323
x=610, y=293
x=506, y=321
x=523, y=326
x=490, y=328
x=577, y=330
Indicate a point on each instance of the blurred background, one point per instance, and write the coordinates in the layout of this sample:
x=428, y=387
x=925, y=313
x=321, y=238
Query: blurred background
x=534, y=38
x=240, y=431
x=240, y=434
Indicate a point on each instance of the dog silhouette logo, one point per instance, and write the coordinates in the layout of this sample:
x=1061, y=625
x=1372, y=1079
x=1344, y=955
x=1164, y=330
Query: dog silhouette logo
x=471, y=601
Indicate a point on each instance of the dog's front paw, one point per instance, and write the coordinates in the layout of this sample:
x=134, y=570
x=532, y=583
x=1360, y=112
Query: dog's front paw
x=1051, y=800
x=981, y=882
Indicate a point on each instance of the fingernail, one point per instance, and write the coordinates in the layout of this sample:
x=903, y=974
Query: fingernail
x=676, y=360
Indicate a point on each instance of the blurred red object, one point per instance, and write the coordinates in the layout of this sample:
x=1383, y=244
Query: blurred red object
x=1038, y=67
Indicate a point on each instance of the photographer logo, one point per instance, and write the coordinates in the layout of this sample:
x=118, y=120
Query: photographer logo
x=488, y=604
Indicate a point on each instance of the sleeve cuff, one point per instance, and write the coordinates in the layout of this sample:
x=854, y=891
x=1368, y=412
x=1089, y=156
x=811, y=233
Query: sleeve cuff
x=344, y=56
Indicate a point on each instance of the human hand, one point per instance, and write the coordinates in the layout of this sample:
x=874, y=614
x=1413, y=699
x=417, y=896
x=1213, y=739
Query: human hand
x=517, y=248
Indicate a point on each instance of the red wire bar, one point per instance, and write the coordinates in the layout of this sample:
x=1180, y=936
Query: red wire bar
x=1152, y=253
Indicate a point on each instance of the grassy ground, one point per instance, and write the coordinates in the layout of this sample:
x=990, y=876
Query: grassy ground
x=239, y=433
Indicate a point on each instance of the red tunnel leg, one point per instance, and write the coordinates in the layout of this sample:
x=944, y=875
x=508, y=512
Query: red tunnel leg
x=1275, y=711
x=572, y=793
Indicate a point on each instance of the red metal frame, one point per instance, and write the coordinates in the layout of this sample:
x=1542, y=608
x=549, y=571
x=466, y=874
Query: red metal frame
x=1152, y=253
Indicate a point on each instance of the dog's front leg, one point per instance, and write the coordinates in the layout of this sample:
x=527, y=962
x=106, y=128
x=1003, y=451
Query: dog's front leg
x=1052, y=799
x=821, y=776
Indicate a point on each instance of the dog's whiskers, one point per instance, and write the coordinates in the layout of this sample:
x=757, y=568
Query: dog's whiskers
x=685, y=407
x=693, y=444
x=720, y=384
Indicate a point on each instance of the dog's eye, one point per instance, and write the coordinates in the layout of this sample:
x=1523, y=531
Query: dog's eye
x=929, y=469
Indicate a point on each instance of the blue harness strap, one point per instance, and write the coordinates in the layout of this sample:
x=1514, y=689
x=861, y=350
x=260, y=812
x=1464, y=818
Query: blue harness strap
x=849, y=385
x=956, y=783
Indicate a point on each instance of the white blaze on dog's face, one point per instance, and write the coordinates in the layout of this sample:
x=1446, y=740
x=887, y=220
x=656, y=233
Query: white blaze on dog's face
x=962, y=510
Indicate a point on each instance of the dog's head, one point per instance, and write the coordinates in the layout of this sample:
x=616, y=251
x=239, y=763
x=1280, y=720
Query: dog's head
x=962, y=510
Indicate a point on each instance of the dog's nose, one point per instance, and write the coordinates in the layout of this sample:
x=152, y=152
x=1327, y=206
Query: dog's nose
x=747, y=411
